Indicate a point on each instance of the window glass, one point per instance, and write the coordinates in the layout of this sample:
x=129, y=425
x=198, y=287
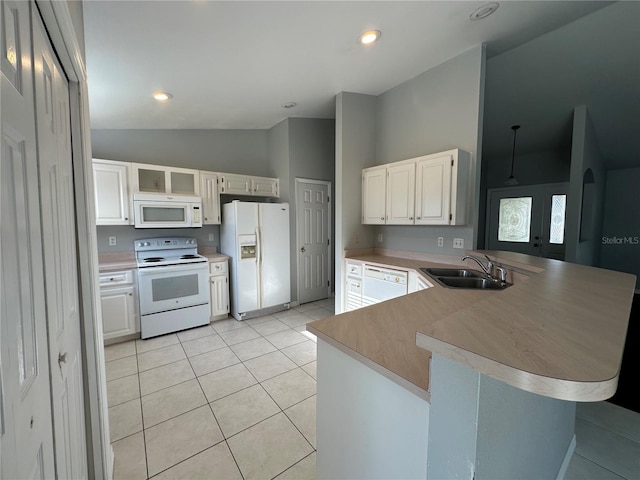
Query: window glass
x=558, y=210
x=514, y=222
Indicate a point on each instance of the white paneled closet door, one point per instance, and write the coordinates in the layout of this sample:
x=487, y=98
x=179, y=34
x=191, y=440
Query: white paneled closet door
x=26, y=437
x=59, y=245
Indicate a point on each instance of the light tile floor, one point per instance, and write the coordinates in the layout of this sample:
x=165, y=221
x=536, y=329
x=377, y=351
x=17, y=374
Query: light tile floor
x=238, y=399
x=231, y=399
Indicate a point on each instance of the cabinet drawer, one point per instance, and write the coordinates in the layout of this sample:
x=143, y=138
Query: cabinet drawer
x=217, y=268
x=354, y=269
x=116, y=278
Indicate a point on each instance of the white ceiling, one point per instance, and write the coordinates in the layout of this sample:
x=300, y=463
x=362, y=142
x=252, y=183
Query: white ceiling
x=233, y=64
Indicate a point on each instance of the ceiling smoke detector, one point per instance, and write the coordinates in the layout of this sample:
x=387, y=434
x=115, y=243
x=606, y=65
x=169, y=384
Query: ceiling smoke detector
x=289, y=105
x=484, y=11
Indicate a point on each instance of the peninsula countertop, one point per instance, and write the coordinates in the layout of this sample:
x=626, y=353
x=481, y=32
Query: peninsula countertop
x=558, y=331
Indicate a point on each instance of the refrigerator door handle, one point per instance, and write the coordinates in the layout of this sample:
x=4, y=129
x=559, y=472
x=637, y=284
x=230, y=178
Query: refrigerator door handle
x=259, y=264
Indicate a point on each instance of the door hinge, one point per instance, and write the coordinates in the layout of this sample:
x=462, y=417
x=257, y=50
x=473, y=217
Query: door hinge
x=328, y=241
x=451, y=216
x=328, y=199
x=328, y=283
x=452, y=163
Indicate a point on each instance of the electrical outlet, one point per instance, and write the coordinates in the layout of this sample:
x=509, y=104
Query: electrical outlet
x=356, y=238
x=441, y=241
x=212, y=237
x=458, y=243
x=112, y=241
x=380, y=238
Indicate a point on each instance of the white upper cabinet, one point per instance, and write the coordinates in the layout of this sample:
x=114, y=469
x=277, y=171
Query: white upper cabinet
x=210, y=198
x=442, y=182
x=161, y=179
x=235, y=184
x=112, y=195
x=374, y=193
x=265, y=187
x=401, y=182
x=428, y=190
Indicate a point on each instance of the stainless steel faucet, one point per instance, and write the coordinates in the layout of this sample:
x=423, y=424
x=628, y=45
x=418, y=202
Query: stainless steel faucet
x=489, y=269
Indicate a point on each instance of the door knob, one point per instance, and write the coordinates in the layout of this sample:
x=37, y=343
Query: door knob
x=302, y=250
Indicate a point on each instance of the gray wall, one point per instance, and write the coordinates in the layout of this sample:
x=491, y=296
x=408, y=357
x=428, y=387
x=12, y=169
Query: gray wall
x=551, y=166
x=620, y=249
x=300, y=148
x=77, y=18
x=229, y=151
x=355, y=150
x=438, y=110
x=483, y=428
x=583, y=238
x=126, y=235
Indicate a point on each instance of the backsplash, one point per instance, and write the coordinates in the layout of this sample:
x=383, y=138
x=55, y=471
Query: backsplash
x=126, y=234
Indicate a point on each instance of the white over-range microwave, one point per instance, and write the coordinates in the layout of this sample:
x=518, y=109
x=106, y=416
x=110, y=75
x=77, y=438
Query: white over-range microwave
x=154, y=210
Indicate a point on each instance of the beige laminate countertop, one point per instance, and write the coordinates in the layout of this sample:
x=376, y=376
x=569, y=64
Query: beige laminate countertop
x=111, y=262
x=560, y=332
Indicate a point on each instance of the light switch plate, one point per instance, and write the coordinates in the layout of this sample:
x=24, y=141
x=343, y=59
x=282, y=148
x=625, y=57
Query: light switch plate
x=112, y=241
x=212, y=237
x=458, y=243
x=380, y=238
x=441, y=241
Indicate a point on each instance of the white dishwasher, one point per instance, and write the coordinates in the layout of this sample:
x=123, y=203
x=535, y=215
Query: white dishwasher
x=381, y=284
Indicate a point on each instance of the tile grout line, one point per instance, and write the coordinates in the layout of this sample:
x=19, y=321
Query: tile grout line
x=181, y=342
x=224, y=439
x=144, y=436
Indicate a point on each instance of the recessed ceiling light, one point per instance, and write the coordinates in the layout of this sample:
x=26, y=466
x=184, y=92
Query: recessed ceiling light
x=370, y=36
x=484, y=11
x=289, y=105
x=162, y=96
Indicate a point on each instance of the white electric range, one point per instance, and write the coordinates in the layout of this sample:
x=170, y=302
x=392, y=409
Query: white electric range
x=172, y=285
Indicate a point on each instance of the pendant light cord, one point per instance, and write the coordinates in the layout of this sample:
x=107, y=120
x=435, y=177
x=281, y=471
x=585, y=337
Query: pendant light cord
x=513, y=153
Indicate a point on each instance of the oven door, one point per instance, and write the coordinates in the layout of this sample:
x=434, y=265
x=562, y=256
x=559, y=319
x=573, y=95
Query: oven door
x=176, y=286
x=149, y=214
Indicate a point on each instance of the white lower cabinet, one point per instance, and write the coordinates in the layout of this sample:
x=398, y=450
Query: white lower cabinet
x=119, y=301
x=219, y=289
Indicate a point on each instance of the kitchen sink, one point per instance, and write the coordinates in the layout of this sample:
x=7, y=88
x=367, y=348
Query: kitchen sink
x=464, y=278
x=452, y=272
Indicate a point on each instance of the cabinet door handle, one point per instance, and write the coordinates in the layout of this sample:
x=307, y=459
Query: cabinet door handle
x=381, y=218
x=410, y=218
x=417, y=218
x=126, y=218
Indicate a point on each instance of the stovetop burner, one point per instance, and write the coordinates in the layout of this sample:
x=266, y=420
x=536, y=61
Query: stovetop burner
x=153, y=259
x=167, y=252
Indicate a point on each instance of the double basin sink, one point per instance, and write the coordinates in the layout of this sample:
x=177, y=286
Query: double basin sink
x=464, y=278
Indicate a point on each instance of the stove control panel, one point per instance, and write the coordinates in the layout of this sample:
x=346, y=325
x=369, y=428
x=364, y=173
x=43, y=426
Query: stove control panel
x=164, y=243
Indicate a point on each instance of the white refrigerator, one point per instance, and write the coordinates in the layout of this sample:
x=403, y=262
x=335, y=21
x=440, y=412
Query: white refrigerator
x=256, y=237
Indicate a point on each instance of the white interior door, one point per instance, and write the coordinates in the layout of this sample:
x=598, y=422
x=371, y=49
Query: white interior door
x=528, y=219
x=26, y=437
x=59, y=245
x=312, y=221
